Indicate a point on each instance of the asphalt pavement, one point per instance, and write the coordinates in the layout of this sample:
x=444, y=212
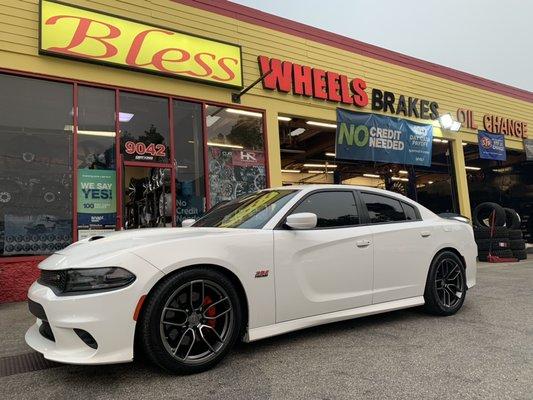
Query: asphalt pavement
x=483, y=352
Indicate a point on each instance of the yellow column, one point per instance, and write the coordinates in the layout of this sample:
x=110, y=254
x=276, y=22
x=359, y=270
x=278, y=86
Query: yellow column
x=274, y=154
x=460, y=177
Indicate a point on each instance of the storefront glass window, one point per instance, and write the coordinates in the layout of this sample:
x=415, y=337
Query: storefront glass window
x=36, y=137
x=235, y=148
x=189, y=154
x=97, y=199
x=144, y=128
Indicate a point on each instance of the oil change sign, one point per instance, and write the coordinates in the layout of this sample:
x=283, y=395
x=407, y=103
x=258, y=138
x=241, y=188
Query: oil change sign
x=372, y=137
x=96, y=198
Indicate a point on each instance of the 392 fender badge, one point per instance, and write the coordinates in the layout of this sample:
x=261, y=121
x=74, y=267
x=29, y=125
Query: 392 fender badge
x=262, y=273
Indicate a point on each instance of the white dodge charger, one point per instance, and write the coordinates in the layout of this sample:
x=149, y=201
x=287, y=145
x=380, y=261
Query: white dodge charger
x=266, y=263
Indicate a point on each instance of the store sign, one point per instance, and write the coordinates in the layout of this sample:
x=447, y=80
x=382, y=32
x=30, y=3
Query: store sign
x=92, y=36
x=491, y=146
x=505, y=126
x=373, y=137
x=528, y=147
x=97, y=204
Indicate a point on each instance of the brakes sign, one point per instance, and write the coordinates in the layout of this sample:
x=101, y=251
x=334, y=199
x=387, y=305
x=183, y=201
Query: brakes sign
x=91, y=36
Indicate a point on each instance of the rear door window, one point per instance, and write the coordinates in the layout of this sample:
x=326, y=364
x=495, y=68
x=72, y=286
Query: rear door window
x=382, y=209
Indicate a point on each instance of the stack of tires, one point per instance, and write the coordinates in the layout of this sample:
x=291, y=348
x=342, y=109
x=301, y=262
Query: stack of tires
x=507, y=240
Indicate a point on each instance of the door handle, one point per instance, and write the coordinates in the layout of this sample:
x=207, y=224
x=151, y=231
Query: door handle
x=425, y=233
x=363, y=243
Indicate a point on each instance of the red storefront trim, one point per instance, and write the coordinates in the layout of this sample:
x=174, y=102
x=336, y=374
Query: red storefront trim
x=260, y=18
x=75, y=166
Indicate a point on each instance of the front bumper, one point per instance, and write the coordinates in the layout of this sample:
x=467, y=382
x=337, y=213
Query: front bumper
x=106, y=316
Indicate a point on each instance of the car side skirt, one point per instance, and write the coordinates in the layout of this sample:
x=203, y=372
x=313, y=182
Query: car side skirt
x=301, y=323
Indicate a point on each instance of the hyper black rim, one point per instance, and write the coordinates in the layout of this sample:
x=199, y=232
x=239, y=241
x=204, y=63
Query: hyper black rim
x=449, y=283
x=197, y=321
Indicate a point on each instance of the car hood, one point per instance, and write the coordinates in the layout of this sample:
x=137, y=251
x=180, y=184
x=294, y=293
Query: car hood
x=99, y=247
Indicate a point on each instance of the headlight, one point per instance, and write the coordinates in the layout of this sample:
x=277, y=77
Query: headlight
x=86, y=280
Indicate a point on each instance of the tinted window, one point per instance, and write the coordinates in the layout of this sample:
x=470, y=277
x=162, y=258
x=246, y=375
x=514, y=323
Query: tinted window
x=383, y=209
x=410, y=212
x=333, y=209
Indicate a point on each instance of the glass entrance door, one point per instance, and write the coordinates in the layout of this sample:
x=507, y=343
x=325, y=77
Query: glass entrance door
x=147, y=197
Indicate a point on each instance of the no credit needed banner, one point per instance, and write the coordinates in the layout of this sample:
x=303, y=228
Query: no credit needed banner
x=491, y=146
x=372, y=137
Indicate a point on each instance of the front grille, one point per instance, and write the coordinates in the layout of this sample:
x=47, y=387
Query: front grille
x=55, y=280
x=46, y=331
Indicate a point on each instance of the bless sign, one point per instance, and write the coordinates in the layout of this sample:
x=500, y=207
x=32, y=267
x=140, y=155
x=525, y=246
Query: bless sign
x=82, y=34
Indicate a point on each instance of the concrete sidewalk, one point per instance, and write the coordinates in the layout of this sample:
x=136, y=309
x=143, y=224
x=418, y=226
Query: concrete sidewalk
x=483, y=352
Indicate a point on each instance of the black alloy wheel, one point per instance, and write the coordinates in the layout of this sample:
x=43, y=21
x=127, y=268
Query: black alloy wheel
x=190, y=321
x=446, y=284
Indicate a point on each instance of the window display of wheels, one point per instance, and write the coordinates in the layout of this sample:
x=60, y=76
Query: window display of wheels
x=505, y=238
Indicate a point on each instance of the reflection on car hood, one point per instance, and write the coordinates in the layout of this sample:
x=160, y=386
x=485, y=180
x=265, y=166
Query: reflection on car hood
x=99, y=247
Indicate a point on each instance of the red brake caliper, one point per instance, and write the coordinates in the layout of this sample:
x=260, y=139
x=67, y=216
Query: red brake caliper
x=212, y=312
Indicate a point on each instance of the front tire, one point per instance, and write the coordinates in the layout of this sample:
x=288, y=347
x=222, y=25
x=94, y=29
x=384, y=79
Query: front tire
x=191, y=321
x=445, y=285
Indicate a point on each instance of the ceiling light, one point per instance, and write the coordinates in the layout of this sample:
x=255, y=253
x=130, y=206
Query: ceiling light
x=331, y=155
x=285, y=119
x=430, y=182
x=404, y=172
x=319, y=172
x=97, y=133
x=320, y=165
x=244, y=112
x=322, y=124
x=291, y=171
x=446, y=121
x=210, y=120
x=371, y=176
x=125, y=117
x=297, y=132
x=230, y=146
x=473, y=168
x=444, y=141
x=437, y=140
x=465, y=144
x=397, y=178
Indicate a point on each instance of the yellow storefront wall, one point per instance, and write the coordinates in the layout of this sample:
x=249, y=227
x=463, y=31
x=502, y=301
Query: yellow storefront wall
x=19, y=20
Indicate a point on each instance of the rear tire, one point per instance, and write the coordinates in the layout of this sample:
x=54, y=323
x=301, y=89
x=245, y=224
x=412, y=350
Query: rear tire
x=445, y=285
x=191, y=321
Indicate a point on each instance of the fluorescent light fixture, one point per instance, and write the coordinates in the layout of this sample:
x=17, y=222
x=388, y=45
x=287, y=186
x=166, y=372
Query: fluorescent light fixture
x=397, y=178
x=430, y=182
x=456, y=125
x=320, y=165
x=97, y=133
x=125, y=117
x=229, y=146
x=403, y=172
x=244, y=112
x=465, y=144
x=312, y=171
x=285, y=119
x=322, y=124
x=291, y=171
x=210, y=120
x=297, y=131
x=371, y=176
x=444, y=141
x=446, y=121
x=331, y=155
x=473, y=168
x=437, y=140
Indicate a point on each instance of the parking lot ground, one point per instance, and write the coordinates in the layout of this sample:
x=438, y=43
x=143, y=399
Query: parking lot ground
x=483, y=352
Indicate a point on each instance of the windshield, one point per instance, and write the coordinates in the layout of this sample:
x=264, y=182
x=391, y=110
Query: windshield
x=251, y=211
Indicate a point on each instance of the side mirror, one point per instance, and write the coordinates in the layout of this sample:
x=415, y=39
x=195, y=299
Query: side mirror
x=187, y=222
x=301, y=221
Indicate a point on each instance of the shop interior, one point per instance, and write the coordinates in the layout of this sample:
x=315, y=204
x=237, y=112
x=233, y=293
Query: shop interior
x=508, y=183
x=308, y=157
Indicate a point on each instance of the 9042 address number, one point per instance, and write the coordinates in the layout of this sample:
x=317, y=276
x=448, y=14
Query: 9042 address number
x=141, y=149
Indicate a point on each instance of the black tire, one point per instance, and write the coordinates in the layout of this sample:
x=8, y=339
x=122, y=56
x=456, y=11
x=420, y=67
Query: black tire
x=515, y=234
x=512, y=219
x=483, y=255
x=518, y=244
x=151, y=329
x=500, y=232
x=494, y=244
x=484, y=210
x=445, y=263
x=520, y=254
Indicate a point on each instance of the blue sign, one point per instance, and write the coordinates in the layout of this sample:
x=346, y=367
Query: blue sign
x=491, y=146
x=372, y=137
